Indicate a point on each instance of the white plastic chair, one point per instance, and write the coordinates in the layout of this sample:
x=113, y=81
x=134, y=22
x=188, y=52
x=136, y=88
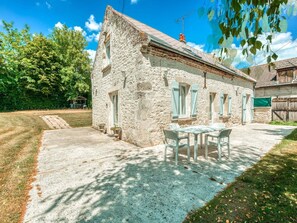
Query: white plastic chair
x=172, y=140
x=223, y=139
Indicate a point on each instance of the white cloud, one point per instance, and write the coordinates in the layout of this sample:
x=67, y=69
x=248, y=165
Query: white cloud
x=79, y=29
x=196, y=46
x=134, y=2
x=59, y=25
x=93, y=37
x=92, y=54
x=49, y=6
x=282, y=44
x=92, y=25
x=97, y=37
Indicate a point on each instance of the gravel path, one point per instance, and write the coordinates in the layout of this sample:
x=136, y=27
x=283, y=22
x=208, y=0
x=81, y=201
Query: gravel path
x=86, y=176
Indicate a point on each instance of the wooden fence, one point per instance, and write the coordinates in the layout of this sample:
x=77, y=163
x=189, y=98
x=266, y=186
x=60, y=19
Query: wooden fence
x=284, y=109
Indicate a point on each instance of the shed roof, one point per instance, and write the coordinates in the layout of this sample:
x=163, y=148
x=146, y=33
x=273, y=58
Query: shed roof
x=155, y=36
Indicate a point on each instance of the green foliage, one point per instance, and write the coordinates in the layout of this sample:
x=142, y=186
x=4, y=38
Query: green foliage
x=40, y=67
x=42, y=72
x=76, y=70
x=245, y=21
x=291, y=123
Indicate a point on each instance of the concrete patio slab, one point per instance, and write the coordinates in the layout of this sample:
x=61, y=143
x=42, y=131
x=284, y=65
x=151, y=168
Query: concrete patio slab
x=86, y=176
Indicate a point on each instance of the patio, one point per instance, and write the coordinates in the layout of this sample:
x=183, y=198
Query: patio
x=96, y=179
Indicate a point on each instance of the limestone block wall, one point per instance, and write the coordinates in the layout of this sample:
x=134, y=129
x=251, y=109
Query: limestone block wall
x=143, y=84
x=119, y=77
x=262, y=115
x=156, y=101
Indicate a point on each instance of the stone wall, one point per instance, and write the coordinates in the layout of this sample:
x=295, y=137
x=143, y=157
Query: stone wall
x=262, y=115
x=143, y=83
x=276, y=91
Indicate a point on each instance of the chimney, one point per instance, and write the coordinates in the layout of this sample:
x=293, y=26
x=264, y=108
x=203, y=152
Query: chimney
x=182, y=38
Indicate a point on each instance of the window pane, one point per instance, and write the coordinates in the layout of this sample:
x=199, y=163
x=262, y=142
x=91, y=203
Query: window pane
x=182, y=105
x=107, y=46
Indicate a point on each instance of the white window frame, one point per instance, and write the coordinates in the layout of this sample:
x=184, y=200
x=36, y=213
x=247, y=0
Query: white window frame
x=183, y=99
x=107, y=52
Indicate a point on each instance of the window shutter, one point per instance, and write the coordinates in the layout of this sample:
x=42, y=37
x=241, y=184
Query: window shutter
x=175, y=99
x=244, y=108
x=252, y=108
x=221, y=104
x=229, y=105
x=194, y=95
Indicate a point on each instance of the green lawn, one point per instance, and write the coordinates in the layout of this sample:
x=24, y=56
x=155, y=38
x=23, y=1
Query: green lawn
x=20, y=136
x=75, y=120
x=292, y=123
x=267, y=192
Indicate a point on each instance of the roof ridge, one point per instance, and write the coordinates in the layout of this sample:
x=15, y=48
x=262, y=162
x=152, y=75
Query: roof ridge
x=155, y=34
x=278, y=61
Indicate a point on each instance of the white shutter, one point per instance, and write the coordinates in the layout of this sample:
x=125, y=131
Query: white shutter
x=244, y=108
x=221, y=101
x=229, y=105
x=175, y=99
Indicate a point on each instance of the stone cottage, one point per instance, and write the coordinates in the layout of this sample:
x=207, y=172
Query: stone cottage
x=143, y=80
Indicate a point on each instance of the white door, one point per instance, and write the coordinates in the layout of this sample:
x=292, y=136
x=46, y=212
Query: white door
x=115, y=109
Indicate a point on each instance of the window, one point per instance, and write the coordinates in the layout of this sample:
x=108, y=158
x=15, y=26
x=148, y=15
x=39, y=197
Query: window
x=107, y=51
x=211, y=106
x=285, y=76
x=182, y=100
x=225, y=105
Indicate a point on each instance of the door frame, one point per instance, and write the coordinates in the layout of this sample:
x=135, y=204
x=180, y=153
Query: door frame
x=114, y=110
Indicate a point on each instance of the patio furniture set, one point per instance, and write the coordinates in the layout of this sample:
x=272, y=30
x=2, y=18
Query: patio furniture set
x=216, y=134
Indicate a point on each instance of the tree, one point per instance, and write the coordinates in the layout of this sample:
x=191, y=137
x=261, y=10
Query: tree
x=12, y=43
x=76, y=65
x=40, y=67
x=243, y=21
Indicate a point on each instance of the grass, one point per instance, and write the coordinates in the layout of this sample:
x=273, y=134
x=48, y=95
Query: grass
x=292, y=123
x=20, y=135
x=266, y=192
x=74, y=120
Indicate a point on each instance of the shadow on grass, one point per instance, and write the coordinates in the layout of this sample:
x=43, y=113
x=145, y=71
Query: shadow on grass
x=265, y=193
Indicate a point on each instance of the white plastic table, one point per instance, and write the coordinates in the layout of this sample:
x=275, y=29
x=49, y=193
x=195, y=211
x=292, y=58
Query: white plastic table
x=196, y=130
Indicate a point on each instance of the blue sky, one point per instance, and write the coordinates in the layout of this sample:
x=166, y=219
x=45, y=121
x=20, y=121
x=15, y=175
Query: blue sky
x=43, y=15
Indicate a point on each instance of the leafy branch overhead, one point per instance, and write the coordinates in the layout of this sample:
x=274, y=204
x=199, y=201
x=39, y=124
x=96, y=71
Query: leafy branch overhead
x=244, y=22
